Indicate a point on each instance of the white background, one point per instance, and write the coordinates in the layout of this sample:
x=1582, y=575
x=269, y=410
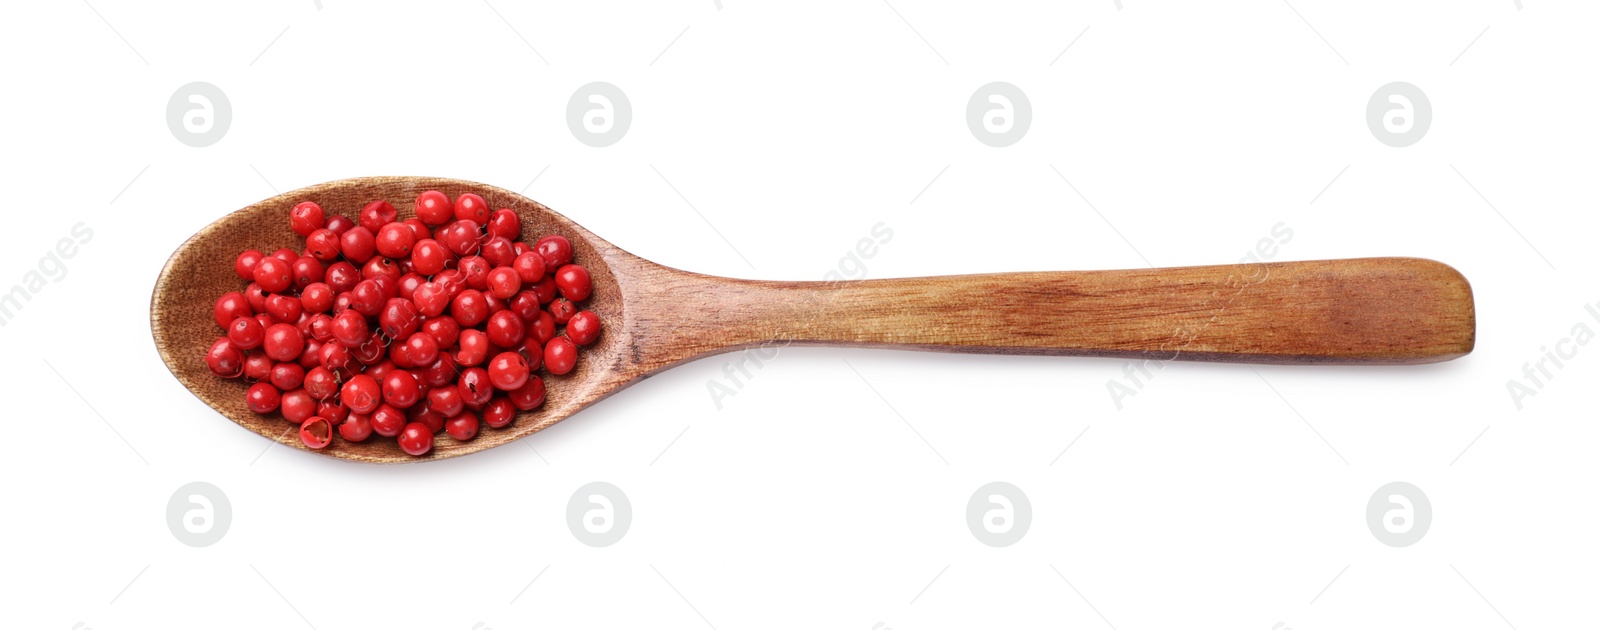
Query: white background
x=1218, y=496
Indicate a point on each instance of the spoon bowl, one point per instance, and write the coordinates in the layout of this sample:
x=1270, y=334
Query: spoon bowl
x=201, y=270
x=1382, y=311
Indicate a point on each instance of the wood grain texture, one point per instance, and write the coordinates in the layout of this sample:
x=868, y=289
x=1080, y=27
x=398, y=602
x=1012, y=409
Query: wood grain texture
x=1360, y=311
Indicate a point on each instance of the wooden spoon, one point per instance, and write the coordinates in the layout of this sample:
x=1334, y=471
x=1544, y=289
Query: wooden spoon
x=1360, y=311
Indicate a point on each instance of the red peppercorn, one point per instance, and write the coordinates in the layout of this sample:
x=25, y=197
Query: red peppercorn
x=367, y=298
x=321, y=383
x=368, y=351
x=245, y=264
x=256, y=298
x=418, y=228
x=529, y=267
x=416, y=439
x=545, y=288
x=574, y=283
x=297, y=405
x=386, y=421
x=334, y=356
x=321, y=325
x=498, y=251
x=400, y=389
x=475, y=386
x=529, y=396
x=377, y=214
x=303, y=322
x=505, y=223
x=421, y=349
x=542, y=328
x=474, y=272
x=379, y=370
x=430, y=256
x=431, y=298
x=350, y=328
x=434, y=208
x=381, y=266
x=262, y=398
x=445, y=401
x=304, y=271
x=340, y=224
x=395, y=240
x=324, y=244
x=274, y=274
x=316, y=298
x=563, y=309
x=397, y=354
x=531, y=351
x=560, y=355
x=332, y=410
x=311, y=356
x=286, y=376
x=316, y=432
x=504, y=329
x=583, y=328
x=358, y=245
x=283, y=342
x=471, y=207
x=426, y=416
x=356, y=427
x=473, y=347
x=499, y=412
x=441, y=372
x=451, y=281
x=444, y=330
x=245, y=333
x=462, y=427
x=556, y=251
x=508, y=371
x=232, y=305
x=284, y=308
x=409, y=282
x=306, y=217
x=468, y=308
x=504, y=282
x=461, y=237
x=361, y=394
x=525, y=304
x=258, y=366
x=399, y=318
x=341, y=277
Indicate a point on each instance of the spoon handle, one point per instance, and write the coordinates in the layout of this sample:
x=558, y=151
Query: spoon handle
x=1354, y=311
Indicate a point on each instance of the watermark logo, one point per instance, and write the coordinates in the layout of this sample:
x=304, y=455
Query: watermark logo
x=999, y=114
x=598, y=114
x=198, y=114
x=1399, y=514
x=1399, y=114
x=599, y=514
x=199, y=514
x=998, y=514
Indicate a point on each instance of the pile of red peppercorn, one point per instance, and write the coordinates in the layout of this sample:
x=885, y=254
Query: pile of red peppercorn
x=403, y=328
